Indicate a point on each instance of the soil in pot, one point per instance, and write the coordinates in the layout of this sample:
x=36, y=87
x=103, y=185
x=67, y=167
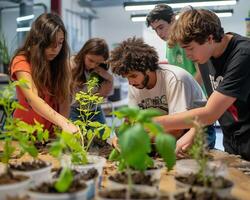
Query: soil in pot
x=100, y=147
x=28, y=166
x=18, y=198
x=194, y=194
x=77, y=185
x=91, y=174
x=9, y=178
x=121, y=194
x=138, y=178
x=213, y=182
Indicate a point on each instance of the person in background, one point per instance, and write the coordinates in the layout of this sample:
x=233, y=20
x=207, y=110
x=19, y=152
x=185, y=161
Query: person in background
x=91, y=59
x=224, y=64
x=165, y=87
x=161, y=19
x=43, y=62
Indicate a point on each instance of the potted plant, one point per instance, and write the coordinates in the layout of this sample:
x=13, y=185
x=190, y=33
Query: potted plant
x=15, y=134
x=4, y=54
x=65, y=186
x=135, y=145
x=207, y=177
x=89, y=130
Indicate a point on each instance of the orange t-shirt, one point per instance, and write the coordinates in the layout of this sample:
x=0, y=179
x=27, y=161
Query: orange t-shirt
x=29, y=116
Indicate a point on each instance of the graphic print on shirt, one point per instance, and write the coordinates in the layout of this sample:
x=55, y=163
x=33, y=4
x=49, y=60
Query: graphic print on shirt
x=232, y=109
x=215, y=82
x=159, y=102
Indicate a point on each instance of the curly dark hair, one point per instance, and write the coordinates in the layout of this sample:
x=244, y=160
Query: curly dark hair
x=160, y=12
x=133, y=54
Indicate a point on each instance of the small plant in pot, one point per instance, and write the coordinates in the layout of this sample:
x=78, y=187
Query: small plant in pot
x=65, y=185
x=90, y=130
x=135, y=146
x=208, y=176
x=15, y=135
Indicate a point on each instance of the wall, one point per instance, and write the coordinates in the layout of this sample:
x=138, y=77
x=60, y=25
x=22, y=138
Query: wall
x=114, y=25
x=9, y=23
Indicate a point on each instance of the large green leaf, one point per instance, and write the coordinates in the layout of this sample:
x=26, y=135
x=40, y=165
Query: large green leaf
x=64, y=181
x=165, y=145
x=147, y=114
x=114, y=155
x=135, y=145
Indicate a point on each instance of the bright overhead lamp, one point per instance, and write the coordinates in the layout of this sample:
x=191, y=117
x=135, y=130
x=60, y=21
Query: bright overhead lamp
x=23, y=29
x=149, y=5
x=219, y=13
x=24, y=18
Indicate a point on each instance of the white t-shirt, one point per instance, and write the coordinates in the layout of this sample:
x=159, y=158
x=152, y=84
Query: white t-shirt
x=175, y=91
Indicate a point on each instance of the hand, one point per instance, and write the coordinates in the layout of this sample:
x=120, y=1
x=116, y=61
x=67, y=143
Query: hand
x=115, y=142
x=70, y=127
x=184, y=143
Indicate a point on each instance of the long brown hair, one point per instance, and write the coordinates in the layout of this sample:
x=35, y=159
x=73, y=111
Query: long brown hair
x=94, y=46
x=52, y=77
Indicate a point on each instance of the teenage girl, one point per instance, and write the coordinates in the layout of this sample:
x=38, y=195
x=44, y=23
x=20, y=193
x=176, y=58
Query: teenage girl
x=91, y=59
x=43, y=62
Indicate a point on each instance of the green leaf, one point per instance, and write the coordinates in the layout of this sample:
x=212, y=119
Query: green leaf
x=129, y=112
x=95, y=124
x=147, y=114
x=29, y=148
x=165, y=145
x=56, y=149
x=64, y=181
x=114, y=155
x=106, y=134
x=135, y=145
x=154, y=128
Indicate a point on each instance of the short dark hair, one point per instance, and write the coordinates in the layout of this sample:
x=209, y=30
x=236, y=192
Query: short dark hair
x=160, y=11
x=133, y=54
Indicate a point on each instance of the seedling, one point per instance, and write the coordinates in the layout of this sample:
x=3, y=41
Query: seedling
x=135, y=142
x=88, y=102
x=16, y=130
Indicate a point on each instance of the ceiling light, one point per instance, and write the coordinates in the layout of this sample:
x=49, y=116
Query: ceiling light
x=24, y=18
x=149, y=5
x=219, y=13
x=23, y=29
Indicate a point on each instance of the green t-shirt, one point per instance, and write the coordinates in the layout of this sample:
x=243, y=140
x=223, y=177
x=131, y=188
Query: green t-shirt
x=177, y=56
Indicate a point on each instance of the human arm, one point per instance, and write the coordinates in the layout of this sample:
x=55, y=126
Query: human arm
x=41, y=107
x=216, y=105
x=184, y=142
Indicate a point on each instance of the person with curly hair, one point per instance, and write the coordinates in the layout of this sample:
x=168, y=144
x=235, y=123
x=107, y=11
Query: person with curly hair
x=224, y=64
x=165, y=87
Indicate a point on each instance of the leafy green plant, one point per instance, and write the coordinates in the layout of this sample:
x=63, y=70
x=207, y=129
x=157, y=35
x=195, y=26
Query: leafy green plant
x=198, y=151
x=66, y=141
x=135, y=143
x=4, y=52
x=90, y=129
x=16, y=130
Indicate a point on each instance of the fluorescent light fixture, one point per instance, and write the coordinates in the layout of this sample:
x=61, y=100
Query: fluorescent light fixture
x=24, y=18
x=149, y=5
x=23, y=29
x=219, y=13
